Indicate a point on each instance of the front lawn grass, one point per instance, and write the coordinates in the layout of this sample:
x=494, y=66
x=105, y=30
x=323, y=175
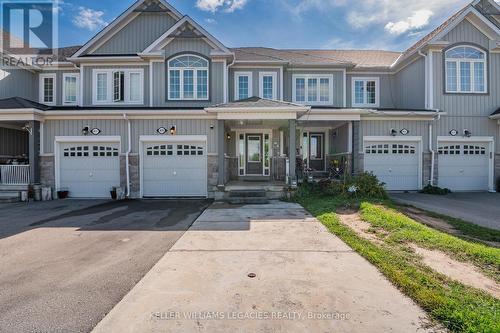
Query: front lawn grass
x=457, y=307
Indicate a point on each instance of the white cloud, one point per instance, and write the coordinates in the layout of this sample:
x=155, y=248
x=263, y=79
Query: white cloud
x=89, y=19
x=228, y=6
x=418, y=20
x=211, y=21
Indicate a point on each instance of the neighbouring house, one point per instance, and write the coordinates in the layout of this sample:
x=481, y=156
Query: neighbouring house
x=158, y=106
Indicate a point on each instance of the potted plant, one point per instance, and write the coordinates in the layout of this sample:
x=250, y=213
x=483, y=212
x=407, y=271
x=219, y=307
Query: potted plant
x=113, y=193
x=62, y=193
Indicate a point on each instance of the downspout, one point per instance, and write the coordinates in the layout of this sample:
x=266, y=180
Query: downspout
x=129, y=148
x=227, y=77
x=431, y=149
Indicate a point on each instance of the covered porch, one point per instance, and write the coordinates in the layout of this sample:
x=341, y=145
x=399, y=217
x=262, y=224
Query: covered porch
x=20, y=124
x=280, y=144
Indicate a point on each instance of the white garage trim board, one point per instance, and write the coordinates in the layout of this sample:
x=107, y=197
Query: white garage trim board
x=487, y=141
x=162, y=171
x=400, y=139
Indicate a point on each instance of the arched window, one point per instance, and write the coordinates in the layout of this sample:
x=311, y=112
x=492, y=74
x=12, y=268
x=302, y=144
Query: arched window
x=466, y=70
x=188, y=78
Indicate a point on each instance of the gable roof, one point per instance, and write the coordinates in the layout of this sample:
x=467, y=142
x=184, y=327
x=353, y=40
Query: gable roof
x=448, y=25
x=121, y=18
x=186, y=20
x=496, y=114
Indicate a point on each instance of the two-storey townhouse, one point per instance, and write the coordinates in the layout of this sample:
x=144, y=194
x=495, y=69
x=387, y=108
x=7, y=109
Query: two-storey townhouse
x=158, y=106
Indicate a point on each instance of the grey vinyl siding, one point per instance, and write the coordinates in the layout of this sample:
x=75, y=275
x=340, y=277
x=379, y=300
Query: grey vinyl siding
x=467, y=104
x=138, y=34
x=16, y=82
x=216, y=75
x=59, y=84
x=409, y=86
x=186, y=45
x=384, y=127
x=88, y=82
x=13, y=142
x=388, y=96
x=466, y=32
x=255, y=80
x=53, y=128
x=479, y=126
x=339, y=139
x=338, y=86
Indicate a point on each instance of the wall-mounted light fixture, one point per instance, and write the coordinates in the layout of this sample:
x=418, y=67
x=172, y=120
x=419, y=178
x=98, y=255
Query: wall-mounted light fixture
x=394, y=132
x=467, y=133
x=228, y=136
x=85, y=130
x=173, y=130
x=212, y=126
x=27, y=127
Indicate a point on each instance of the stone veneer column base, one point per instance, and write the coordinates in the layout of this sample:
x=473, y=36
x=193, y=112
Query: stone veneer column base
x=47, y=171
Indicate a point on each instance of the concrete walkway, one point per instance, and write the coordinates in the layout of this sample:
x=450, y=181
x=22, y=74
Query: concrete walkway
x=306, y=280
x=480, y=208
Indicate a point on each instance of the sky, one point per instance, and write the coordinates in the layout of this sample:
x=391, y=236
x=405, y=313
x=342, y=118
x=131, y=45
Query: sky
x=315, y=24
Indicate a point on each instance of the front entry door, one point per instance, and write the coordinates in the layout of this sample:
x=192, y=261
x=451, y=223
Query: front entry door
x=317, y=151
x=254, y=154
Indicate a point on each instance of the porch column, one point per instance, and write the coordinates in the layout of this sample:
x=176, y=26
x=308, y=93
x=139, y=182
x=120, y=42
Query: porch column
x=221, y=145
x=34, y=151
x=293, y=149
x=355, y=165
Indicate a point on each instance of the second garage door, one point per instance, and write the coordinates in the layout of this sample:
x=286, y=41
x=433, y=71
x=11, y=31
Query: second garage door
x=394, y=163
x=464, y=166
x=177, y=169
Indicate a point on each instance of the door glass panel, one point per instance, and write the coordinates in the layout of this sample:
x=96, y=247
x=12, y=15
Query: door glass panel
x=316, y=147
x=254, y=149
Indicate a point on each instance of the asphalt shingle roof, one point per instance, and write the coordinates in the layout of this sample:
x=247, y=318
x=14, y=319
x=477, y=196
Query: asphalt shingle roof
x=21, y=103
x=256, y=102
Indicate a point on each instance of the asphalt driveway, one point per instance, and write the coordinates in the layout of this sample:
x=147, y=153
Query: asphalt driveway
x=65, y=264
x=263, y=268
x=478, y=207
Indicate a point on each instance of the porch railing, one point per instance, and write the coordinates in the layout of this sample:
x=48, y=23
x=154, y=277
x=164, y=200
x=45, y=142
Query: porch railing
x=14, y=174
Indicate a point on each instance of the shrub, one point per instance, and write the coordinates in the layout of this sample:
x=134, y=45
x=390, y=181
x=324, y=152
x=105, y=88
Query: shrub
x=364, y=185
x=429, y=189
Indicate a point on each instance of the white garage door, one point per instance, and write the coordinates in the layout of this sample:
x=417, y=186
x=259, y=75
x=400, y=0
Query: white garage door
x=463, y=166
x=395, y=164
x=174, y=169
x=89, y=170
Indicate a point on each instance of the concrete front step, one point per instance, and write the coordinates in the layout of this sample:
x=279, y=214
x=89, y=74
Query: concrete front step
x=248, y=200
x=250, y=193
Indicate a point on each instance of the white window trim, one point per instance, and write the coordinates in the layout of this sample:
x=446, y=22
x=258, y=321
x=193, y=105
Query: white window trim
x=41, y=88
x=313, y=76
x=77, y=76
x=458, y=61
x=274, y=75
x=377, y=92
x=195, y=79
x=109, y=97
x=237, y=75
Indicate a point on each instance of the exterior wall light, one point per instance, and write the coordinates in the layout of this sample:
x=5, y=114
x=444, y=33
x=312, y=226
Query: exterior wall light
x=85, y=130
x=394, y=132
x=173, y=130
x=467, y=133
x=228, y=136
x=27, y=127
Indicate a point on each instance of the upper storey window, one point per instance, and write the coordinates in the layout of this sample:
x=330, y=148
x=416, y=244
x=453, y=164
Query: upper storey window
x=188, y=78
x=465, y=70
x=365, y=92
x=242, y=85
x=47, y=89
x=118, y=86
x=267, y=85
x=313, y=89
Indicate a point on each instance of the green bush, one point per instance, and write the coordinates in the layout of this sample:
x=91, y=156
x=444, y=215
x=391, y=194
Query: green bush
x=429, y=189
x=365, y=185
